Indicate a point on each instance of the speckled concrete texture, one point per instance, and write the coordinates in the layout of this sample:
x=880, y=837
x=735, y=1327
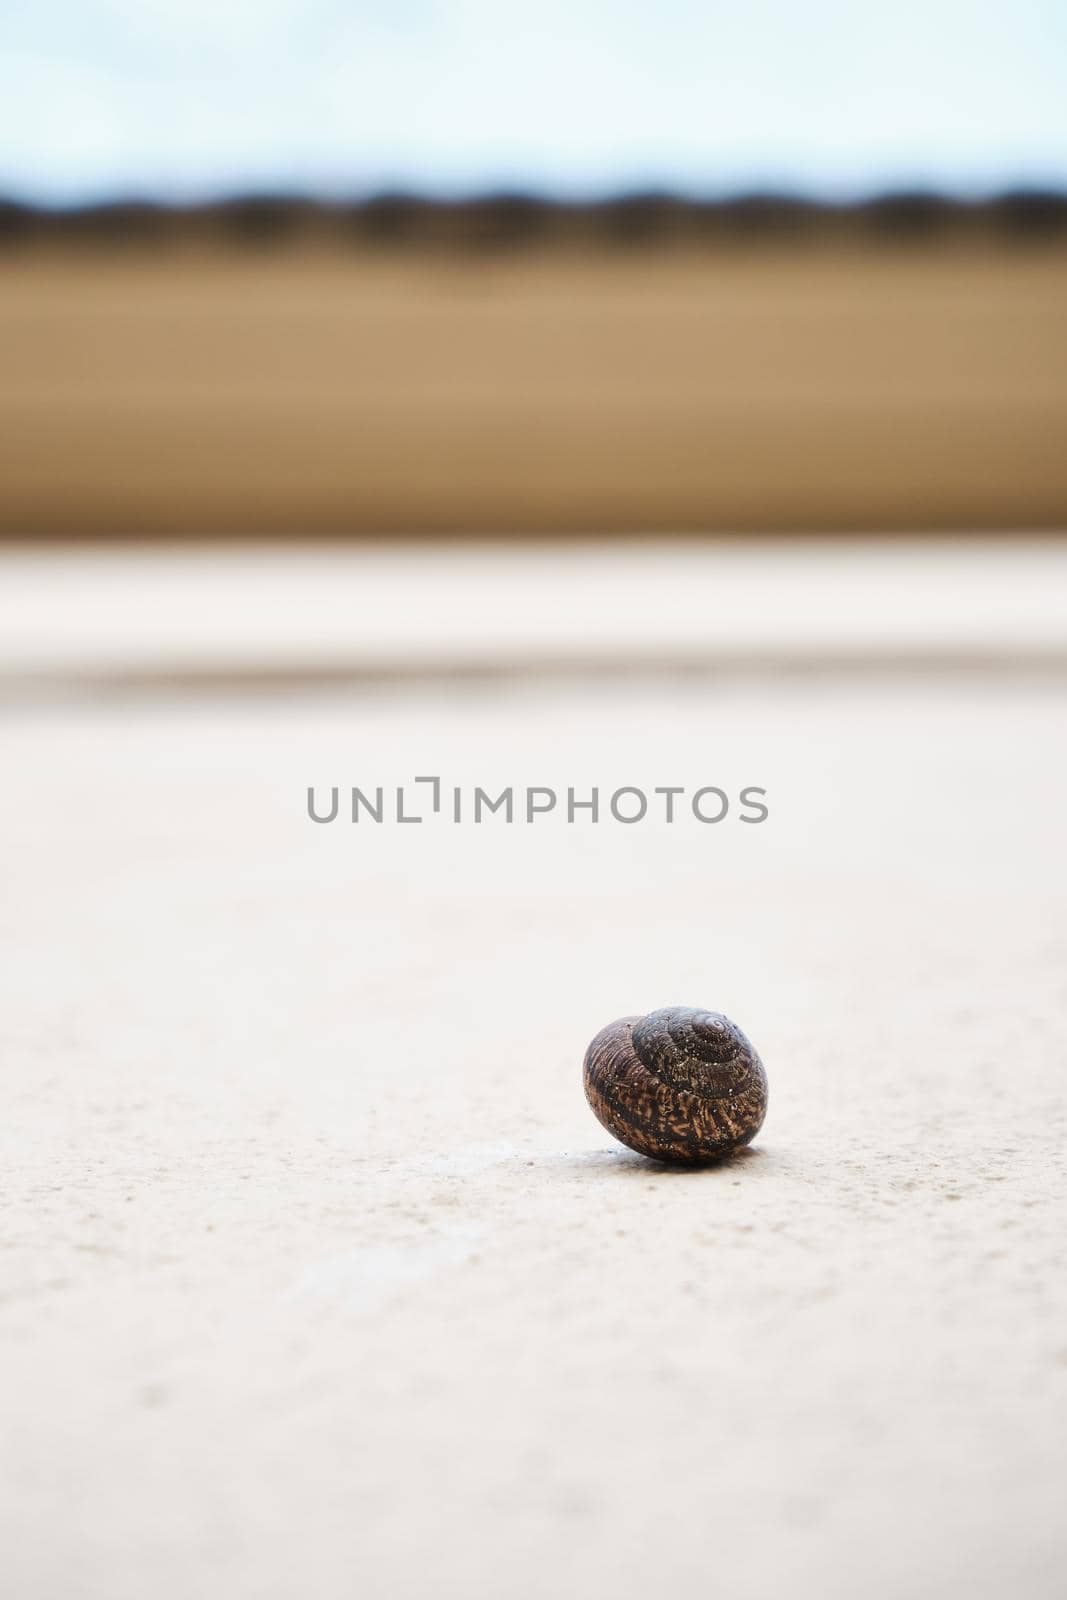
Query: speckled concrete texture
x=320, y=1279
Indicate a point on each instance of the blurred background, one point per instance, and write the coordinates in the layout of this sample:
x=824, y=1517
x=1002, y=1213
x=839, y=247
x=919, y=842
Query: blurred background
x=295, y=270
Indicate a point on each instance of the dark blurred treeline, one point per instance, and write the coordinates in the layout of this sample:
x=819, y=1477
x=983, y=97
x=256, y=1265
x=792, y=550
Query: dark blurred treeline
x=512, y=222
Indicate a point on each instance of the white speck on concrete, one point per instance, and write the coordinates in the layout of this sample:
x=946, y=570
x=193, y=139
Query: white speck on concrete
x=367, y=1278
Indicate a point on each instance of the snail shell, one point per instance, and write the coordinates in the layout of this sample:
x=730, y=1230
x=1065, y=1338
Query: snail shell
x=677, y=1085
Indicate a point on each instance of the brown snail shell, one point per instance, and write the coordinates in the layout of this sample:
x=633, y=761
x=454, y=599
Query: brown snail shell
x=677, y=1085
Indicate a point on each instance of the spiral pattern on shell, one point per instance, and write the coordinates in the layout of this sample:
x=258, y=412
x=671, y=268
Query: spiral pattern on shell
x=678, y=1085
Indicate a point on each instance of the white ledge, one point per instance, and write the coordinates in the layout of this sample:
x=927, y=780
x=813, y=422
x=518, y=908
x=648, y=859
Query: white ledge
x=312, y=611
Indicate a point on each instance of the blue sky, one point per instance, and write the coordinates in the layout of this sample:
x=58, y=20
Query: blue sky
x=186, y=98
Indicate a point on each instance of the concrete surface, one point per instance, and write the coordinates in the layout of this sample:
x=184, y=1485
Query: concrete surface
x=319, y=1279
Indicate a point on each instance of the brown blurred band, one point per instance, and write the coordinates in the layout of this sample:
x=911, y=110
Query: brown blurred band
x=512, y=366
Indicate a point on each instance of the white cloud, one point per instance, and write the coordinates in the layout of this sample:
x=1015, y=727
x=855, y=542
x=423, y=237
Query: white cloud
x=193, y=95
